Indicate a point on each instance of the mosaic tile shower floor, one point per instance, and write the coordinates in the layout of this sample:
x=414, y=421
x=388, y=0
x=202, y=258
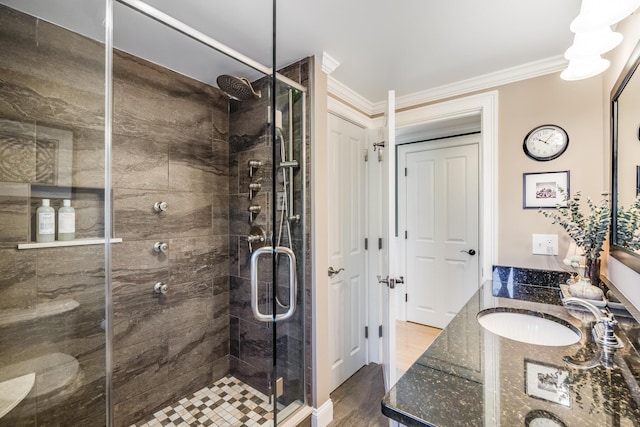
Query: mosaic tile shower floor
x=229, y=402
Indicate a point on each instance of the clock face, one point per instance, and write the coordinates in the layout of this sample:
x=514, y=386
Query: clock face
x=546, y=142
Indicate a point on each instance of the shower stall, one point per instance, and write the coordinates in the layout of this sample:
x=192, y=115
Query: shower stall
x=183, y=297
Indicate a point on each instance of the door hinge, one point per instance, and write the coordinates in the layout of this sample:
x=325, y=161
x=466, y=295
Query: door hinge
x=406, y=297
x=406, y=235
x=366, y=332
x=366, y=244
x=405, y=171
x=379, y=243
x=380, y=331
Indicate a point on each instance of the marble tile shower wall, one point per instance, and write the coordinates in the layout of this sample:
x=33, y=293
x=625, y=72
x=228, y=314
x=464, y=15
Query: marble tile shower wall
x=250, y=340
x=51, y=300
x=170, y=143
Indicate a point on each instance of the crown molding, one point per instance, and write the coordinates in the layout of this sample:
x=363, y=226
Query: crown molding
x=348, y=96
x=327, y=62
x=510, y=75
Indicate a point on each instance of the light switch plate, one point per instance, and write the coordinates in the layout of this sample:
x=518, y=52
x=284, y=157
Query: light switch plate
x=544, y=244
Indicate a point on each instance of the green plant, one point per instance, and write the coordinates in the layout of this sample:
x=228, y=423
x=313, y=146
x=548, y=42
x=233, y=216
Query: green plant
x=589, y=228
x=628, y=226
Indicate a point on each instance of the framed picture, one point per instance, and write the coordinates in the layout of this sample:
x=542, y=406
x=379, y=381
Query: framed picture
x=542, y=189
x=547, y=382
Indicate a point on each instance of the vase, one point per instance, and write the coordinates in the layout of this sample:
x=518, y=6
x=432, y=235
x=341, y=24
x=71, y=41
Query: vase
x=584, y=289
x=592, y=270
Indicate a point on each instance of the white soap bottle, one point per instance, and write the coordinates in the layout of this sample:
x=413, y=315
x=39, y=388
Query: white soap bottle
x=66, y=221
x=45, y=222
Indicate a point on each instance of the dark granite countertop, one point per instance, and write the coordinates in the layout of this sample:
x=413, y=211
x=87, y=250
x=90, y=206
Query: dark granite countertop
x=472, y=377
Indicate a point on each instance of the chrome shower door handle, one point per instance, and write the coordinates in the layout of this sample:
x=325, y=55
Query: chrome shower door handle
x=293, y=283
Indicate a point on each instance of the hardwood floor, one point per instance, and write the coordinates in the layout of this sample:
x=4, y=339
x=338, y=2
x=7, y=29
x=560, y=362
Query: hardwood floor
x=412, y=339
x=356, y=403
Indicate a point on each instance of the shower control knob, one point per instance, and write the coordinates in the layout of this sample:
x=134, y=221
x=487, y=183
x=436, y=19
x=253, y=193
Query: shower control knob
x=160, y=247
x=295, y=218
x=160, y=206
x=161, y=288
x=253, y=164
x=252, y=238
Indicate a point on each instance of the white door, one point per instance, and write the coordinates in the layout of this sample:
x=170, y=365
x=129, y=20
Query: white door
x=441, y=235
x=347, y=225
x=388, y=265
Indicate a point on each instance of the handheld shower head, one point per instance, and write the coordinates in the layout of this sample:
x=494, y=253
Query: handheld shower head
x=237, y=87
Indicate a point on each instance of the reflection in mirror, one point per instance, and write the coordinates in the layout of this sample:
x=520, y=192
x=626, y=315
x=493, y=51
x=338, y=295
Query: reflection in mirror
x=625, y=109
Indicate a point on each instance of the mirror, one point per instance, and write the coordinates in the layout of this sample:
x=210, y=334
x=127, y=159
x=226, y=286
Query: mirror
x=625, y=157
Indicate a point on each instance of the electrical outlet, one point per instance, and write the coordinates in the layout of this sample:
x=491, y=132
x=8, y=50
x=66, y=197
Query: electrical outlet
x=544, y=244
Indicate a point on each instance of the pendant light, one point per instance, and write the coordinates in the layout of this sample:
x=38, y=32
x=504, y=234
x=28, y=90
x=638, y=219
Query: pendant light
x=593, y=43
x=596, y=14
x=585, y=67
x=593, y=36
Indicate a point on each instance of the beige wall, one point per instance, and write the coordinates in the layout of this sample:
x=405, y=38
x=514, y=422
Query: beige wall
x=582, y=109
x=575, y=106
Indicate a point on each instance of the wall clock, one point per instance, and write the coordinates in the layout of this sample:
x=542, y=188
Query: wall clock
x=546, y=142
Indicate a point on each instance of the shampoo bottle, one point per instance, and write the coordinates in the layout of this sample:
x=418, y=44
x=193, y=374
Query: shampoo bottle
x=66, y=221
x=45, y=222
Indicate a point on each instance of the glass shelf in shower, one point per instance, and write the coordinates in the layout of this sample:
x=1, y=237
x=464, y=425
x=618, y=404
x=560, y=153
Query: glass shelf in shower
x=65, y=243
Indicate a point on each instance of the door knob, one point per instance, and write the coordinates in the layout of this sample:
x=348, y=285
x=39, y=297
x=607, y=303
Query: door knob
x=470, y=251
x=332, y=272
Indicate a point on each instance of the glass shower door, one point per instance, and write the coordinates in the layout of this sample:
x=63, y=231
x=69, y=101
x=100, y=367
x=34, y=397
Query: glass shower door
x=289, y=242
x=200, y=139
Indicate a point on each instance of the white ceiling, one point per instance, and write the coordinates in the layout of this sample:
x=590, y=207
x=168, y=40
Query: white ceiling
x=406, y=45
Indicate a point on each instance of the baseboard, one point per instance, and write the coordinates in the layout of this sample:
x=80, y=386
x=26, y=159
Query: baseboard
x=322, y=416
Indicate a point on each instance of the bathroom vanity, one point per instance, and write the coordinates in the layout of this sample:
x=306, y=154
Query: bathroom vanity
x=470, y=376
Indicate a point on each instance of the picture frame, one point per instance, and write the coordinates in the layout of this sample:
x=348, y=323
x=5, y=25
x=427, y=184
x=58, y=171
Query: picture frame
x=541, y=189
x=547, y=382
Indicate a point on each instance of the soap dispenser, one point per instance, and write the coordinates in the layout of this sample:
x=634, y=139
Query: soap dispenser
x=45, y=223
x=66, y=221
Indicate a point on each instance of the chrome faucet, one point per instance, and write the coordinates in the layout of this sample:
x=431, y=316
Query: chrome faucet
x=604, y=328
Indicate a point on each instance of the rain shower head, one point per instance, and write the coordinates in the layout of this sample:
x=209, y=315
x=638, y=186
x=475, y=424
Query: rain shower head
x=237, y=87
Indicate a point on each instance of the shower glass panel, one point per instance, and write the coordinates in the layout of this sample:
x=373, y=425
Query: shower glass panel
x=289, y=201
x=195, y=192
x=52, y=294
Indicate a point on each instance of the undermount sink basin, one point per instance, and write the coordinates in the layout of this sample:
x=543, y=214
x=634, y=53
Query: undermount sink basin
x=530, y=327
